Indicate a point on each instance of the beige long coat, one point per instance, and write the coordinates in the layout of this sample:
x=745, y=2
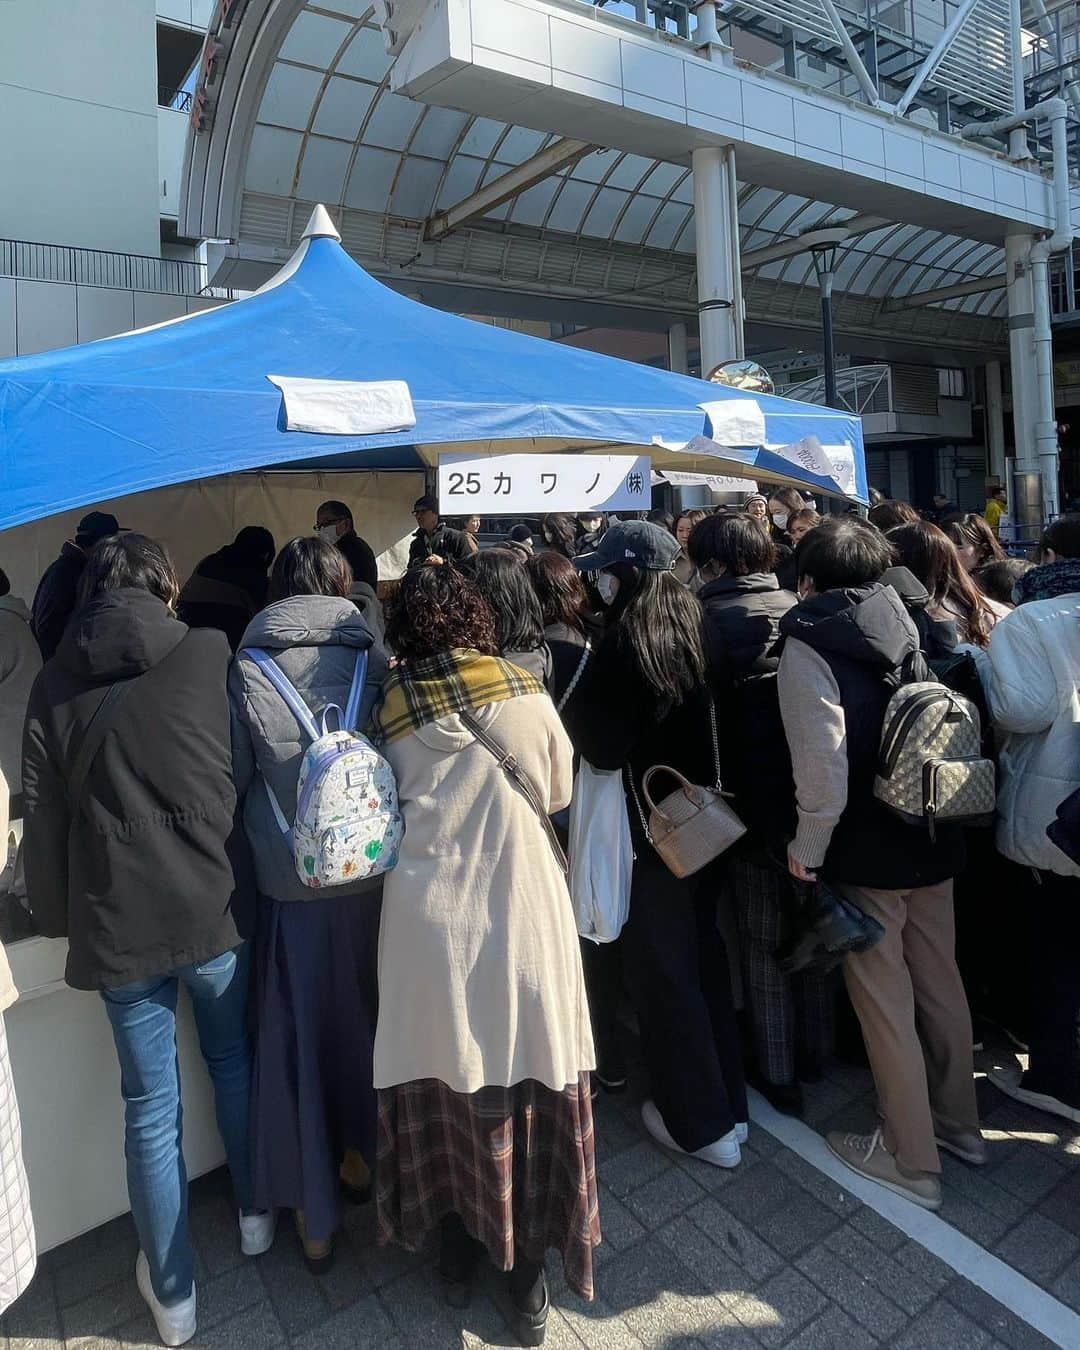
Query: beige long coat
x=480, y=980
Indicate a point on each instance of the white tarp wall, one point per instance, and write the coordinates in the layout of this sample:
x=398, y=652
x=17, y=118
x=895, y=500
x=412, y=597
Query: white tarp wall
x=194, y=519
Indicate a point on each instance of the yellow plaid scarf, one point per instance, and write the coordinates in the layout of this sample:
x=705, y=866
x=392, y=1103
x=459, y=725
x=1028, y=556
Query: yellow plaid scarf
x=450, y=682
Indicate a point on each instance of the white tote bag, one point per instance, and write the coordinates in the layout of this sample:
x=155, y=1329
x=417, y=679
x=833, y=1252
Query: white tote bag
x=601, y=855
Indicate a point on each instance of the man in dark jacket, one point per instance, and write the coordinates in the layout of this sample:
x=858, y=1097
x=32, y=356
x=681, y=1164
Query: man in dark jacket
x=228, y=588
x=334, y=523
x=847, y=643
x=54, y=602
x=435, y=541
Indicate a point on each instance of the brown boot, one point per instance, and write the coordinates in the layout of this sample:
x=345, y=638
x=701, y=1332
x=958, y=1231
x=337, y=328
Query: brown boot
x=318, y=1253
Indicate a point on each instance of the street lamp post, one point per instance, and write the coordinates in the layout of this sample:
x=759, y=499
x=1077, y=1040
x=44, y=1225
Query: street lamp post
x=823, y=244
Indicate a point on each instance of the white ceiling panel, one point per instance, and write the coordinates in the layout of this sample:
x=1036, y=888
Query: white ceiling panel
x=271, y=161
x=371, y=179
x=322, y=170
x=290, y=95
x=342, y=108
x=314, y=39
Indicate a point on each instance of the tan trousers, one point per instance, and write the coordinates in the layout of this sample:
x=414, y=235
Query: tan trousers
x=915, y=1021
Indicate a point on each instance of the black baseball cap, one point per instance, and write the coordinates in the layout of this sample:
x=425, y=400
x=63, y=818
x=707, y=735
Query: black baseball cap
x=637, y=542
x=426, y=504
x=98, y=525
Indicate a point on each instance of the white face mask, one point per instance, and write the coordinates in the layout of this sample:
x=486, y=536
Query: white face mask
x=779, y=519
x=608, y=587
x=329, y=533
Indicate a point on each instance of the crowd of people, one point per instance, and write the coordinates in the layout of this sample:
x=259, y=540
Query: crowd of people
x=432, y=1037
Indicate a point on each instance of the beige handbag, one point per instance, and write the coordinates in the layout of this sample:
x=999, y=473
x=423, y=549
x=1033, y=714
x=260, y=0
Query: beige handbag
x=693, y=825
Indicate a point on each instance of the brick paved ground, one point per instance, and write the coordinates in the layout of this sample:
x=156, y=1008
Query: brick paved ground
x=773, y=1254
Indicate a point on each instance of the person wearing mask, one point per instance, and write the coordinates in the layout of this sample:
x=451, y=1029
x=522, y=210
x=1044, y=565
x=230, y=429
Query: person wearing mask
x=519, y=625
x=313, y=1104
x=573, y=632
x=1029, y=672
x=645, y=701
x=334, y=523
x=57, y=592
x=684, y=567
x=434, y=541
x=846, y=643
x=975, y=541
x=558, y=532
x=20, y=661
x=229, y=587
x=520, y=541
x=997, y=580
x=18, y=1249
x=784, y=504
x=932, y=557
x=997, y=504
x=128, y=743
x=483, y=1048
x=792, y=1019
x=888, y=514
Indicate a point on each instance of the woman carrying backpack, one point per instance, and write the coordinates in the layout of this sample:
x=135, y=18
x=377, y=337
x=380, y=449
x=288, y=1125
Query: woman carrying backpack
x=133, y=855
x=483, y=1050
x=313, y=1105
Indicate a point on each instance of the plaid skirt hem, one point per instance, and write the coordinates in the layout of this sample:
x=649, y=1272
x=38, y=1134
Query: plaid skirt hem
x=517, y=1164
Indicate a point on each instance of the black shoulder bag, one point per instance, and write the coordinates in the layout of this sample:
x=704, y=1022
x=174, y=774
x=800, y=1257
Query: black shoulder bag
x=93, y=738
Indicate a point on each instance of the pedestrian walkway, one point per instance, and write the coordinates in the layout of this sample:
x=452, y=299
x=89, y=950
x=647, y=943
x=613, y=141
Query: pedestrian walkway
x=776, y=1253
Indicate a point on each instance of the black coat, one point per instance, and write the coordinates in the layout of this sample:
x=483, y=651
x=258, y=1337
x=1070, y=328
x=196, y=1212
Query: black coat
x=225, y=591
x=361, y=558
x=152, y=872
x=742, y=645
x=444, y=543
x=55, y=599
x=866, y=637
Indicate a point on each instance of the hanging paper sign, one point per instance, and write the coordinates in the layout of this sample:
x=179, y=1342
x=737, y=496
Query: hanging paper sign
x=735, y=421
x=511, y=484
x=715, y=482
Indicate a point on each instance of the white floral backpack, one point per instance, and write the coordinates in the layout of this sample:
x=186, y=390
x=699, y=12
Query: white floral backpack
x=348, y=826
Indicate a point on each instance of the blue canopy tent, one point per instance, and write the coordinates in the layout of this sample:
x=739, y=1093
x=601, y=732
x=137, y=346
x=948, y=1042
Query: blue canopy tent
x=192, y=398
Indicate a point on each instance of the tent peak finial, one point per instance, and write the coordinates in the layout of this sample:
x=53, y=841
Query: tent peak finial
x=320, y=226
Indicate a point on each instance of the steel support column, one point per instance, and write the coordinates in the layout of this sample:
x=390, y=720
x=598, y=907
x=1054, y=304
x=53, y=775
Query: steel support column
x=720, y=318
x=678, y=358
x=1022, y=349
x=995, y=422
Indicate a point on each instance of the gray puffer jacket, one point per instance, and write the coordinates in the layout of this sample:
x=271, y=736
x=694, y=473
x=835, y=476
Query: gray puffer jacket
x=316, y=640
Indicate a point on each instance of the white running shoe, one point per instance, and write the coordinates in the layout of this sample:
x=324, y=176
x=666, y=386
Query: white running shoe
x=257, y=1232
x=723, y=1152
x=742, y=1131
x=176, y=1325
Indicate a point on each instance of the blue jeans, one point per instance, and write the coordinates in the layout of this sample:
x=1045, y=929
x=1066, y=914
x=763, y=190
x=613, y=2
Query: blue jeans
x=143, y=1017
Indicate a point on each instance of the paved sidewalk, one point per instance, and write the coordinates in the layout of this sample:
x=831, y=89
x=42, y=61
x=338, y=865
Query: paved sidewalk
x=773, y=1254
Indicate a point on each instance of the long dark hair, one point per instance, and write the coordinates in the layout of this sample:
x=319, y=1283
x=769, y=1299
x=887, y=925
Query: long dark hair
x=437, y=609
x=310, y=566
x=658, y=625
x=562, y=530
x=129, y=561
x=973, y=529
x=560, y=590
x=889, y=513
x=932, y=556
x=501, y=578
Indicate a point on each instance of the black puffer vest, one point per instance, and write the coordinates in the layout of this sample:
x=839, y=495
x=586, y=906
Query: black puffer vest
x=866, y=636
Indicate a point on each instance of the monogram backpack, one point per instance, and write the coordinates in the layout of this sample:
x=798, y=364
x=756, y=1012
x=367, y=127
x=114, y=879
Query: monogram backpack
x=348, y=826
x=931, y=768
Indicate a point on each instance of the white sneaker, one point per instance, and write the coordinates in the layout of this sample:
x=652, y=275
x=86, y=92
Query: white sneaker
x=723, y=1152
x=176, y=1325
x=742, y=1131
x=257, y=1232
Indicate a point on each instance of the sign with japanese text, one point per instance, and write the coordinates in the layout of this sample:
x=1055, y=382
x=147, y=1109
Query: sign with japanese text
x=535, y=484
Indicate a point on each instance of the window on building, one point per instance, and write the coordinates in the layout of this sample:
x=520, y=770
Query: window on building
x=951, y=382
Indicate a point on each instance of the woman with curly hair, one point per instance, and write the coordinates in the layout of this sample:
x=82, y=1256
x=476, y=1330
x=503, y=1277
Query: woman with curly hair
x=483, y=1047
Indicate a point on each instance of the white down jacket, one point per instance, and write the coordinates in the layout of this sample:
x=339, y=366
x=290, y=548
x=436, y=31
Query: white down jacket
x=1031, y=675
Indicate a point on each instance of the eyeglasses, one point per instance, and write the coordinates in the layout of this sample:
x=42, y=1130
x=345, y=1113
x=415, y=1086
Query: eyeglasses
x=336, y=521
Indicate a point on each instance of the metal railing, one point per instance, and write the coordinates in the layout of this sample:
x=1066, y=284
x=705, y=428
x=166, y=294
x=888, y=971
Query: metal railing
x=859, y=389
x=96, y=267
x=177, y=99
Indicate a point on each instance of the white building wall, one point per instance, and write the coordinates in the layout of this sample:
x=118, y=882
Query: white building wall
x=172, y=128
x=79, y=83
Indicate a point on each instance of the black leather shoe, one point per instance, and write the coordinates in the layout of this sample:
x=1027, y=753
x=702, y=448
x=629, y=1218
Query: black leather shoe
x=530, y=1327
x=787, y=1098
x=828, y=927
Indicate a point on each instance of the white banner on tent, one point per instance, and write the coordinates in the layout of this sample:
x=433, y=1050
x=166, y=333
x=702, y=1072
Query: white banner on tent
x=508, y=484
x=715, y=482
x=827, y=461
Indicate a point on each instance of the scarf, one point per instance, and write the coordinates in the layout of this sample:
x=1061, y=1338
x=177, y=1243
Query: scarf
x=1049, y=581
x=449, y=682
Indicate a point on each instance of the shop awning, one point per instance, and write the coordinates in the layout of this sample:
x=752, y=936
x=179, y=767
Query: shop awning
x=194, y=398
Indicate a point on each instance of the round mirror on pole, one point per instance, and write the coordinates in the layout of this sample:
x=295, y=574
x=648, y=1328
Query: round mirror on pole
x=748, y=375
